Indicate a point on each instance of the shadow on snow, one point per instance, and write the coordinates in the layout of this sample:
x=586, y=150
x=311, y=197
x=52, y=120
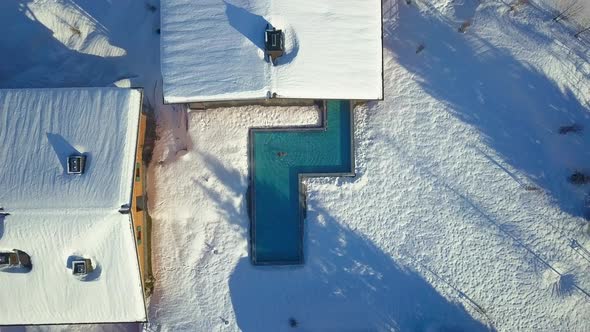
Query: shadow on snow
x=34, y=58
x=346, y=284
x=62, y=148
x=486, y=87
x=250, y=25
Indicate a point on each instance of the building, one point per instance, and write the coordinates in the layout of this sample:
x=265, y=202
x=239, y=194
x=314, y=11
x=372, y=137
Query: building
x=214, y=50
x=71, y=217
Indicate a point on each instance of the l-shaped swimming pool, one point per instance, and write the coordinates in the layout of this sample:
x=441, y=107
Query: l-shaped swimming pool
x=279, y=159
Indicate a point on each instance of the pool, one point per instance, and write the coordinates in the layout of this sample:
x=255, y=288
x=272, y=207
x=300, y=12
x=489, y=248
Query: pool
x=279, y=159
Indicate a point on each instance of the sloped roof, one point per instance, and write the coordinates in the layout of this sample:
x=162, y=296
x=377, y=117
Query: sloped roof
x=214, y=50
x=55, y=217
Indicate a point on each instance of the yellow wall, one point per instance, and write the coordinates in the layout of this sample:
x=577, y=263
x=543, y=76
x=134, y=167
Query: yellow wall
x=138, y=212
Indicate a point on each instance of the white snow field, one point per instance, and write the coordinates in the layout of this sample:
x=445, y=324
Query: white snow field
x=214, y=50
x=57, y=217
x=460, y=218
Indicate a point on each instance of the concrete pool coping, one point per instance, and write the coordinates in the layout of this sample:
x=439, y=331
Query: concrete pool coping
x=323, y=123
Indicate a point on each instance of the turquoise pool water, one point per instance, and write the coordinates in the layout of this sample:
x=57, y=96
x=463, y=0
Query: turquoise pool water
x=278, y=158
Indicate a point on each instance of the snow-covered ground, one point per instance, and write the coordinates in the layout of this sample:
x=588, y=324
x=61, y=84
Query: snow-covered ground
x=460, y=217
x=214, y=50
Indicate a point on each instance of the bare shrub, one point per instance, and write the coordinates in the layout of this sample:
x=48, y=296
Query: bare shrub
x=149, y=286
x=420, y=48
x=564, y=285
x=530, y=187
x=517, y=4
x=293, y=322
x=579, y=178
x=582, y=29
x=152, y=8
x=464, y=26
x=75, y=30
x=567, y=8
x=574, y=128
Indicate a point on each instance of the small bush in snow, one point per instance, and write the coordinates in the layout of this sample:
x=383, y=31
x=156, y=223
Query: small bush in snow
x=464, y=26
x=575, y=128
x=564, y=285
x=75, y=30
x=149, y=286
x=517, y=4
x=152, y=8
x=293, y=322
x=579, y=178
x=565, y=9
x=585, y=27
x=530, y=187
x=575, y=11
x=420, y=48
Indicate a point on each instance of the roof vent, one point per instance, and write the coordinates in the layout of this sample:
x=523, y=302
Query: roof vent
x=16, y=260
x=76, y=164
x=125, y=209
x=82, y=267
x=274, y=43
x=7, y=258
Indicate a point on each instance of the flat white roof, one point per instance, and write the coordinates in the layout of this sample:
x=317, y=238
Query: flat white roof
x=55, y=217
x=212, y=50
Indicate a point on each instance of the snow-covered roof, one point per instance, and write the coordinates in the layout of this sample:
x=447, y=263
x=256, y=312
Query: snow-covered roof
x=213, y=50
x=57, y=217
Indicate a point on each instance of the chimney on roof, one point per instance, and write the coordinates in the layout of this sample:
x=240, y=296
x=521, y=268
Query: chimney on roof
x=274, y=43
x=76, y=164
